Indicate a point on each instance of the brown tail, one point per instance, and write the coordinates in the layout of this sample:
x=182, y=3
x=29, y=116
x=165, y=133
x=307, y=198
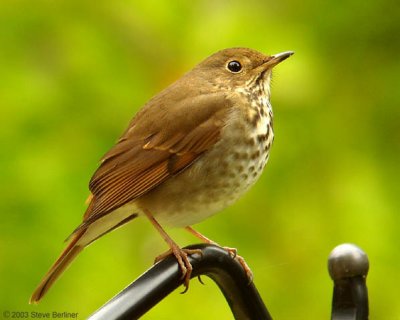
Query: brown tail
x=66, y=257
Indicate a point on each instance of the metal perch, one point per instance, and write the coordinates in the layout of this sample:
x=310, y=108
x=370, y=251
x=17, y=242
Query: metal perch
x=347, y=264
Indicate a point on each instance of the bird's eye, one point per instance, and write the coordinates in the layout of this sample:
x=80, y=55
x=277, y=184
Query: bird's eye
x=234, y=66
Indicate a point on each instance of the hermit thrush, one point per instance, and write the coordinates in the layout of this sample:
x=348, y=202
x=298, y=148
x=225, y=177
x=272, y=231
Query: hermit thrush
x=191, y=151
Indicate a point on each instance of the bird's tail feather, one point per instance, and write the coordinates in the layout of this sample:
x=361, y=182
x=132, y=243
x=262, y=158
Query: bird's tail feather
x=66, y=257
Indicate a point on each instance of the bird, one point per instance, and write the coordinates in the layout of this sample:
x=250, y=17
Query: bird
x=190, y=151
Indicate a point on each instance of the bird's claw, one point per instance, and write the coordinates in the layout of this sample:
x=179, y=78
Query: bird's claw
x=233, y=253
x=181, y=256
x=245, y=267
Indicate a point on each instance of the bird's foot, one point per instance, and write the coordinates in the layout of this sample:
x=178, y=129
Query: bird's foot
x=181, y=256
x=233, y=253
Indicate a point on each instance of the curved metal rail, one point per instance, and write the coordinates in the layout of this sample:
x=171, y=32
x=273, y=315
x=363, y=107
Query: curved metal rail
x=165, y=276
x=348, y=266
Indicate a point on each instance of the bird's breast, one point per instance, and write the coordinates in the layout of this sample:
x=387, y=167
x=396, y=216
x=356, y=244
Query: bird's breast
x=218, y=178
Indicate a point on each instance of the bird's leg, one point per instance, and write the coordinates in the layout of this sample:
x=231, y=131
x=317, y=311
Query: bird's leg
x=181, y=255
x=232, y=251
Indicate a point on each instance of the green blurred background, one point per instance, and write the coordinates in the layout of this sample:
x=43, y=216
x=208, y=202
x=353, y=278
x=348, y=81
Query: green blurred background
x=73, y=73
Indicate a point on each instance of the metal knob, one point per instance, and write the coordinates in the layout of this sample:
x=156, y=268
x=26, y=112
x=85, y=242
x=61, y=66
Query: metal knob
x=348, y=267
x=347, y=260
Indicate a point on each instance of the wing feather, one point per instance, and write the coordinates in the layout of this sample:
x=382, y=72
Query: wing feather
x=147, y=155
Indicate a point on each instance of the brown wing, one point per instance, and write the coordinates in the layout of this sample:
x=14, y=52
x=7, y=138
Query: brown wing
x=160, y=142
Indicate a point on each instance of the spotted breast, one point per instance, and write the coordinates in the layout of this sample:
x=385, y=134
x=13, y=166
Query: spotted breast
x=226, y=171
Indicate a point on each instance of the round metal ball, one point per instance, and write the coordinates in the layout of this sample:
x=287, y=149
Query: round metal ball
x=347, y=260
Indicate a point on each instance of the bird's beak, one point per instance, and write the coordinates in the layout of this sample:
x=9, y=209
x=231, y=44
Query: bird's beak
x=277, y=58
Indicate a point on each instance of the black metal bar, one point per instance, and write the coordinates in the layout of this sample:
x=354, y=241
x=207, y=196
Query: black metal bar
x=165, y=276
x=348, y=267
